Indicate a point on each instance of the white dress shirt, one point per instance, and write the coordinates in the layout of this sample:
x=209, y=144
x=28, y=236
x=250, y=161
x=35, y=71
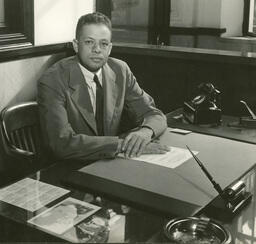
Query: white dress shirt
x=88, y=76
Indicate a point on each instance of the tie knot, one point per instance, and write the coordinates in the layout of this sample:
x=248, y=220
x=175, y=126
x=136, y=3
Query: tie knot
x=96, y=80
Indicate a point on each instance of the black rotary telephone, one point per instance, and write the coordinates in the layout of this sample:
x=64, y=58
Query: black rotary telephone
x=205, y=107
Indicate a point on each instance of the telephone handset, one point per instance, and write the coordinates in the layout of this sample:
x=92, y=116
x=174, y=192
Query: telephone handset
x=204, y=108
x=248, y=121
x=198, y=99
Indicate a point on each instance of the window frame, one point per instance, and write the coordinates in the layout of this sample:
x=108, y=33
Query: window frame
x=19, y=24
x=159, y=29
x=249, y=29
x=159, y=18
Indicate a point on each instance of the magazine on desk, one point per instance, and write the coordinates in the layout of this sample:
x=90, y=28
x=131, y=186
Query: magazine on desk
x=64, y=215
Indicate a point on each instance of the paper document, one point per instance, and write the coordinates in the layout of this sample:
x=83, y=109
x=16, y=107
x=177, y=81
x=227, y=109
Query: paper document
x=171, y=159
x=180, y=131
x=31, y=194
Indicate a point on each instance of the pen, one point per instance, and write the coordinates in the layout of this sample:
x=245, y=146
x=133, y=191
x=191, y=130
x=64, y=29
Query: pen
x=215, y=185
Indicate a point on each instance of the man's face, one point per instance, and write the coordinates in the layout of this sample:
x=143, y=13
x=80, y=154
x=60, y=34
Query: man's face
x=93, y=46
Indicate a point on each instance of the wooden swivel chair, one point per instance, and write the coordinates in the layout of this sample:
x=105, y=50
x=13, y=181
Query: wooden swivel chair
x=21, y=136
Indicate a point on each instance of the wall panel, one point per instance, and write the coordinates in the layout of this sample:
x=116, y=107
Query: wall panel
x=172, y=77
x=19, y=84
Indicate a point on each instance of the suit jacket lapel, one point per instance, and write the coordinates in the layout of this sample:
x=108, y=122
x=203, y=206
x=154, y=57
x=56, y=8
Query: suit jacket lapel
x=80, y=95
x=110, y=96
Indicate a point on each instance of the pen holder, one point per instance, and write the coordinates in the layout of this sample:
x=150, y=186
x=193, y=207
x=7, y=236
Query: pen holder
x=236, y=197
x=248, y=122
x=233, y=199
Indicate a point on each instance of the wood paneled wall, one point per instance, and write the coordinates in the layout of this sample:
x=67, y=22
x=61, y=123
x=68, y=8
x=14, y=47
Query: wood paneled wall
x=172, y=79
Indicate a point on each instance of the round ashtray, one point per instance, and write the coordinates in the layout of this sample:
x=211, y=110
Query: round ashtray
x=192, y=230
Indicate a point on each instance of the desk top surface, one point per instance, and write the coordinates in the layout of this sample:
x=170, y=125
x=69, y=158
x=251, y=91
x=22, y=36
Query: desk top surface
x=123, y=223
x=229, y=127
x=181, y=191
x=135, y=225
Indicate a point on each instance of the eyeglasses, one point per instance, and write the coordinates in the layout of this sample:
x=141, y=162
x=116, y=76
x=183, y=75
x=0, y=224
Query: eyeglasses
x=103, y=44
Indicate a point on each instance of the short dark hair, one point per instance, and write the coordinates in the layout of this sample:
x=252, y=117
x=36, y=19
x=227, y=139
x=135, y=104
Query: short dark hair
x=92, y=18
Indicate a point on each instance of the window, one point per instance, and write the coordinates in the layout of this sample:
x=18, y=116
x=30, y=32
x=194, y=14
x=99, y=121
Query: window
x=149, y=21
x=138, y=21
x=253, y=10
x=16, y=23
x=249, y=23
x=2, y=13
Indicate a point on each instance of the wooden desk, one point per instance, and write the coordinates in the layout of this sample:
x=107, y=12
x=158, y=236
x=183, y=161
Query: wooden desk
x=137, y=225
x=242, y=227
x=180, y=191
x=131, y=225
x=228, y=129
x=228, y=161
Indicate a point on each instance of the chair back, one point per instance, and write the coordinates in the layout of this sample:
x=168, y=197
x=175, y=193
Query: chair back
x=21, y=130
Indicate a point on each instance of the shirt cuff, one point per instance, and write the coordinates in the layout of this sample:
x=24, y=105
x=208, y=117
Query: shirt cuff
x=119, y=147
x=146, y=126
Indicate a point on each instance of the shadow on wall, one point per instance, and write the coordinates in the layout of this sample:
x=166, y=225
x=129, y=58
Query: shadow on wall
x=19, y=78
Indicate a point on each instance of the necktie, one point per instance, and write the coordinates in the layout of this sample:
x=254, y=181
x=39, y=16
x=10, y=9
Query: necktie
x=99, y=106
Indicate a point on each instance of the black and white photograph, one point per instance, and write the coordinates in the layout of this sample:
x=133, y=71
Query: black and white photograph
x=128, y=121
x=64, y=215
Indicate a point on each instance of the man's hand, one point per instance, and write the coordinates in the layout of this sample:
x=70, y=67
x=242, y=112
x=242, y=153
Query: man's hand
x=135, y=142
x=155, y=148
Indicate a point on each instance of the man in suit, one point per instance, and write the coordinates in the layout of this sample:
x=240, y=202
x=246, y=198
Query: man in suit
x=82, y=100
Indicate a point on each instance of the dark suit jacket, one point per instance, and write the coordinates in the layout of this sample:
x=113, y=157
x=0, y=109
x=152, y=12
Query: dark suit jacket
x=66, y=114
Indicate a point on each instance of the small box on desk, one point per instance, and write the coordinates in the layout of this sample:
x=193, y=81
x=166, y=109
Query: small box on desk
x=200, y=115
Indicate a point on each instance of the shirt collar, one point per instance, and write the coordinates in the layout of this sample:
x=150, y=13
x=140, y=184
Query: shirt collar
x=88, y=75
